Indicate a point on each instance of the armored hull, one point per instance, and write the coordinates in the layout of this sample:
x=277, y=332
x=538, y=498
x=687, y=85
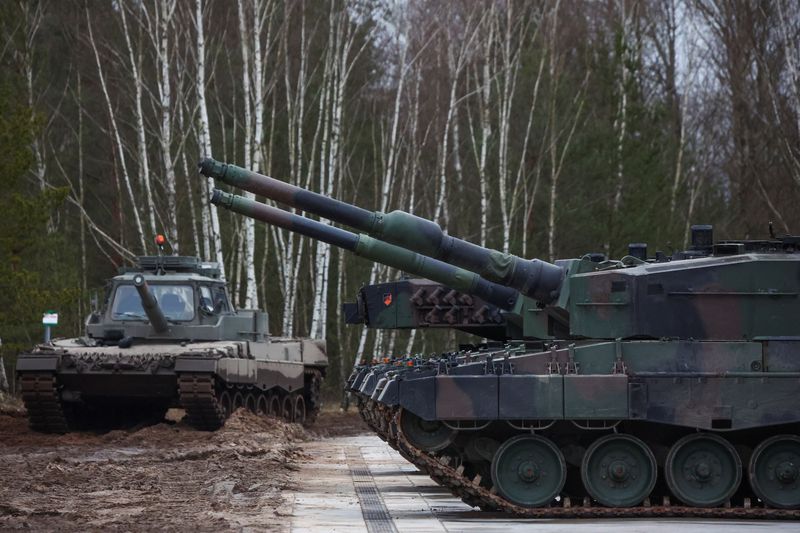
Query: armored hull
x=663, y=386
x=542, y=433
x=178, y=343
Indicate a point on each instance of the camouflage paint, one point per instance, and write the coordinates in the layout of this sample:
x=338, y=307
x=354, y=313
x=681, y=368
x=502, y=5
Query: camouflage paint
x=532, y=277
x=372, y=249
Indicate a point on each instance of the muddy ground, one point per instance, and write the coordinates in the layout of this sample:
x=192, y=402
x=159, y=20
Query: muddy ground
x=166, y=476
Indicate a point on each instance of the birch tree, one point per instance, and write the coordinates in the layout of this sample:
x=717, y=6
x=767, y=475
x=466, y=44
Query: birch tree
x=117, y=137
x=341, y=60
x=135, y=60
x=32, y=13
x=289, y=247
x=457, y=56
x=626, y=53
x=163, y=29
x=211, y=227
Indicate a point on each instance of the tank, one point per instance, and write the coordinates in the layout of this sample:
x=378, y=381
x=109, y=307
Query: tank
x=670, y=388
x=167, y=335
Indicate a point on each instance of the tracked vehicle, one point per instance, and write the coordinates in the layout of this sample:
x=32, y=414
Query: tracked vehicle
x=663, y=386
x=167, y=336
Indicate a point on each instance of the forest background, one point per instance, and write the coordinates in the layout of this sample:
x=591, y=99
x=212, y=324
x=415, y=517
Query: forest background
x=547, y=128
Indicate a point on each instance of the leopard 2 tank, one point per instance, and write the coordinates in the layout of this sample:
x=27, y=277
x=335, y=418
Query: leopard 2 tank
x=167, y=335
x=671, y=389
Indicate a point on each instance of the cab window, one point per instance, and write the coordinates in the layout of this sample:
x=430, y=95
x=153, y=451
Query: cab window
x=215, y=297
x=175, y=301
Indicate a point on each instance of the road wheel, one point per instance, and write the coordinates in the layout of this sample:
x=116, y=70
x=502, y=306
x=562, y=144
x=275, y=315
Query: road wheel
x=431, y=436
x=262, y=407
x=225, y=403
x=299, y=410
x=238, y=400
x=775, y=471
x=250, y=402
x=288, y=408
x=619, y=471
x=274, y=405
x=703, y=470
x=529, y=470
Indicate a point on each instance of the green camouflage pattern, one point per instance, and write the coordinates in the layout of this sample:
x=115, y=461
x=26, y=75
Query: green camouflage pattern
x=680, y=373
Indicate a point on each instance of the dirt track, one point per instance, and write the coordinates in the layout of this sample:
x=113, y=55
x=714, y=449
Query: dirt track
x=166, y=476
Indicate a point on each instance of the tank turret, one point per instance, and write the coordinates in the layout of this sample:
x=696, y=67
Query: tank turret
x=150, y=305
x=372, y=249
x=531, y=277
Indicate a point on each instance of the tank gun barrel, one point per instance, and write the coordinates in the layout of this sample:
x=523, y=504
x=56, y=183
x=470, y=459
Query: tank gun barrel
x=532, y=277
x=150, y=305
x=372, y=249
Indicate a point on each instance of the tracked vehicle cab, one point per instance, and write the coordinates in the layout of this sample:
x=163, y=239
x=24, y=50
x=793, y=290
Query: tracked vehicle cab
x=176, y=297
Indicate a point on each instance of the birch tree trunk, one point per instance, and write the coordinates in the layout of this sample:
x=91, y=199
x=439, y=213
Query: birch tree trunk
x=117, y=137
x=248, y=34
x=81, y=195
x=32, y=13
x=166, y=12
x=341, y=63
x=456, y=60
x=3, y=378
x=211, y=227
x=485, y=96
x=141, y=141
x=189, y=190
x=792, y=55
x=620, y=125
x=553, y=68
x=509, y=66
x=390, y=169
x=290, y=248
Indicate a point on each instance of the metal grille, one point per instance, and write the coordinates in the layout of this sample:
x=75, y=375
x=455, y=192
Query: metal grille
x=376, y=515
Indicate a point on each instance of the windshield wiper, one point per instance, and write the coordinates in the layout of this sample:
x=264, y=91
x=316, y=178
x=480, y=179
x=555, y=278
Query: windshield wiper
x=129, y=314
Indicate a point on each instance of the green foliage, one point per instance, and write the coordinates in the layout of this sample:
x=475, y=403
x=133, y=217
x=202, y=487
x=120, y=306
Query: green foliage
x=34, y=276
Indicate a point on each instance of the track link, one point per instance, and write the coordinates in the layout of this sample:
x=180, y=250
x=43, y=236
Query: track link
x=198, y=397
x=43, y=403
x=442, y=470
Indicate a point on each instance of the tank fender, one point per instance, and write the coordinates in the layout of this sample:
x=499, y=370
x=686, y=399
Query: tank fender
x=195, y=364
x=451, y=397
x=37, y=363
x=467, y=397
x=419, y=397
x=531, y=397
x=596, y=397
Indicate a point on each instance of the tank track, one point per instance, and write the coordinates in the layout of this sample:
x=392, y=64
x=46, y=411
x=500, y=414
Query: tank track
x=312, y=394
x=198, y=396
x=444, y=472
x=40, y=394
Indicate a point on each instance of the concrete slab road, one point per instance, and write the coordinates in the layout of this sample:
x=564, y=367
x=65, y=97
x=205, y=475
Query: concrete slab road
x=356, y=484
